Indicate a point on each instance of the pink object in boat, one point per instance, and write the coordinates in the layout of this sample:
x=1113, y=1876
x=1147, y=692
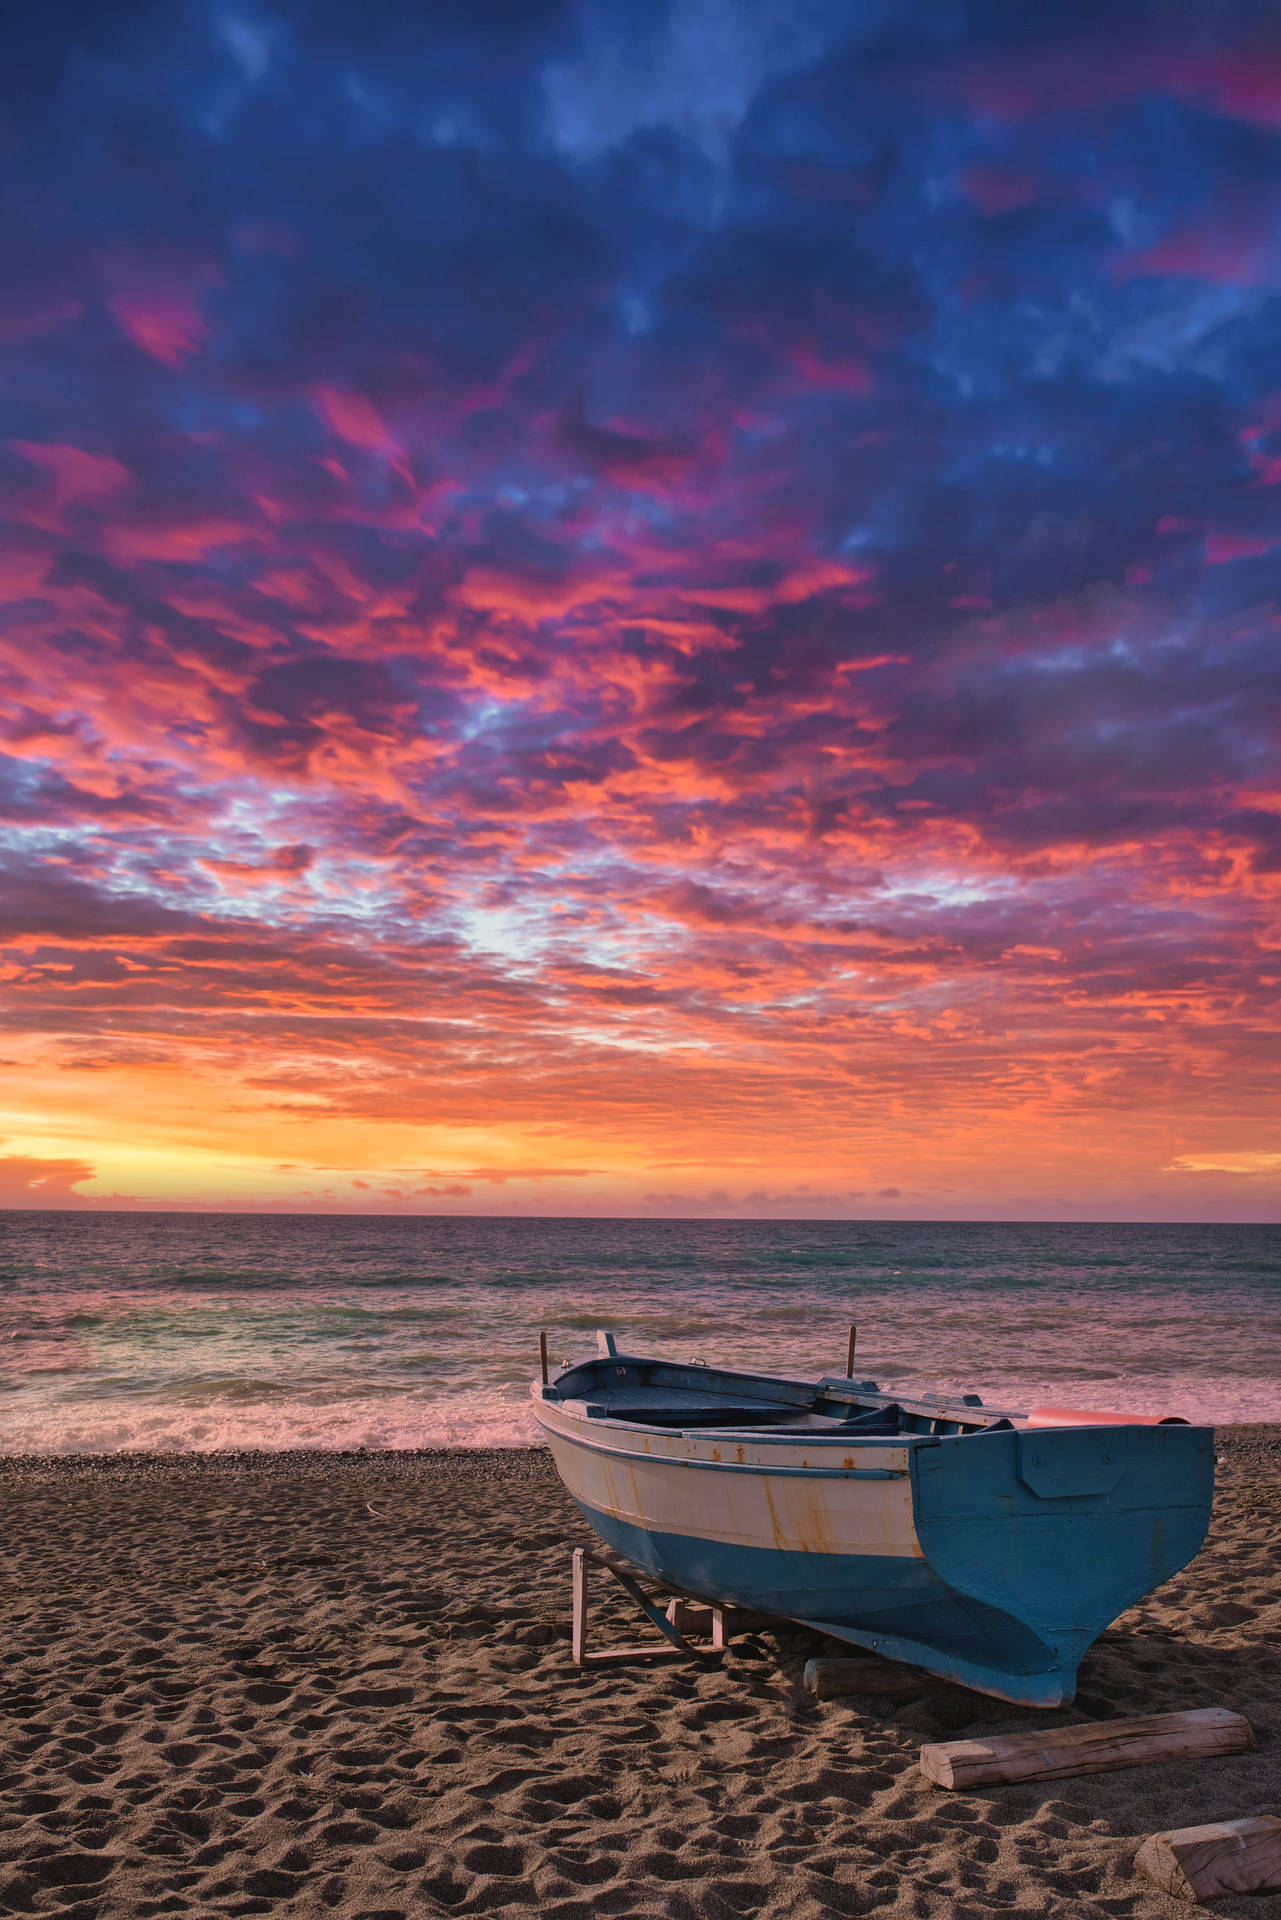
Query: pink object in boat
x=1084, y=1417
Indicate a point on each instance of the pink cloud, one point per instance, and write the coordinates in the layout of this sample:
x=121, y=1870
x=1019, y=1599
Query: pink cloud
x=282, y=865
x=156, y=302
x=352, y=417
x=1231, y=248
x=1245, y=83
x=27, y=1181
x=182, y=541
x=1080, y=73
x=846, y=373
x=169, y=326
x=1220, y=548
x=76, y=475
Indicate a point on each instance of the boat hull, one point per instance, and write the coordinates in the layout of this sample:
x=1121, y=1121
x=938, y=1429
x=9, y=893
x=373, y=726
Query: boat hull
x=959, y=1554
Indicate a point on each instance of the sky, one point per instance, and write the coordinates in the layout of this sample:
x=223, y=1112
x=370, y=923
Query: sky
x=641, y=608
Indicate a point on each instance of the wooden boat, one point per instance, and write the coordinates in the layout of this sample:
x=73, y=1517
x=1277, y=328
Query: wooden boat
x=991, y=1547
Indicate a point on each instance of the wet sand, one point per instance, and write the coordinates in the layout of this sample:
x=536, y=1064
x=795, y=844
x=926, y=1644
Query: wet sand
x=325, y=1684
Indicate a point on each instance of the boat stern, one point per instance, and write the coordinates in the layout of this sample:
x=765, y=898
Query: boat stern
x=1046, y=1535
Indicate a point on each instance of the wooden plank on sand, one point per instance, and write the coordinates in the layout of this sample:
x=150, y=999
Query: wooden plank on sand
x=832, y=1679
x=621, y=1656
x=1228, y=1856
x=1096, y=1746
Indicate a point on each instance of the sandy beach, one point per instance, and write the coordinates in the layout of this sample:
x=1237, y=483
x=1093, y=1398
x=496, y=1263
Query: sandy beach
x=340, y=1684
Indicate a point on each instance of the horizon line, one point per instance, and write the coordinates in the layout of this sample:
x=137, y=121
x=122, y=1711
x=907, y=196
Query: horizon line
x=723, y=1219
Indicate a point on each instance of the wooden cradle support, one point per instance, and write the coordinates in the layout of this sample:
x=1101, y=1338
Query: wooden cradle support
x=683, y=1614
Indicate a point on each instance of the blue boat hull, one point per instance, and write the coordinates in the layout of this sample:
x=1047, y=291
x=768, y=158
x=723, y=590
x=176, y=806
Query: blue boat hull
x=894, y=1606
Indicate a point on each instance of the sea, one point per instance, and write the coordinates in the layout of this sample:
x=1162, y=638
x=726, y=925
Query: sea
x=200, y=1332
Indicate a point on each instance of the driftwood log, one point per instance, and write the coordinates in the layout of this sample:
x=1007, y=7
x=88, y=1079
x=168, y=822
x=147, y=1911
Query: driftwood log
x=1228, y=1856
x=1096, y=1746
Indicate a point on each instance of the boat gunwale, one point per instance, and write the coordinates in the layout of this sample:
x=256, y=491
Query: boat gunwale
x=778, y=1468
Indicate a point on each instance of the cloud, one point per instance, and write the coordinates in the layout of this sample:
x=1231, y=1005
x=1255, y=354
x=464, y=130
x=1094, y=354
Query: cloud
x=597, y=580
x=27, y=1181
x=1252, y=1163
x=352, y=417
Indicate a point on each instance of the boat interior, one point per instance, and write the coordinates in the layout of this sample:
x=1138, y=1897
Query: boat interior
x=677, y=1398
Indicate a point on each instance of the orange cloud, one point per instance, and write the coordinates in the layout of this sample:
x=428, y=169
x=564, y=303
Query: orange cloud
x=26, y=1181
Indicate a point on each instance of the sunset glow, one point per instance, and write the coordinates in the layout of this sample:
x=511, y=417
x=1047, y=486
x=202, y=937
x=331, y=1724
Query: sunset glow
x=663, y=611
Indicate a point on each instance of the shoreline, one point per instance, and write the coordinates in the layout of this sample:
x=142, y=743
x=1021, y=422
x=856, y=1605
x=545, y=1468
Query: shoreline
x=245, y=1458
x=1240, y=1438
